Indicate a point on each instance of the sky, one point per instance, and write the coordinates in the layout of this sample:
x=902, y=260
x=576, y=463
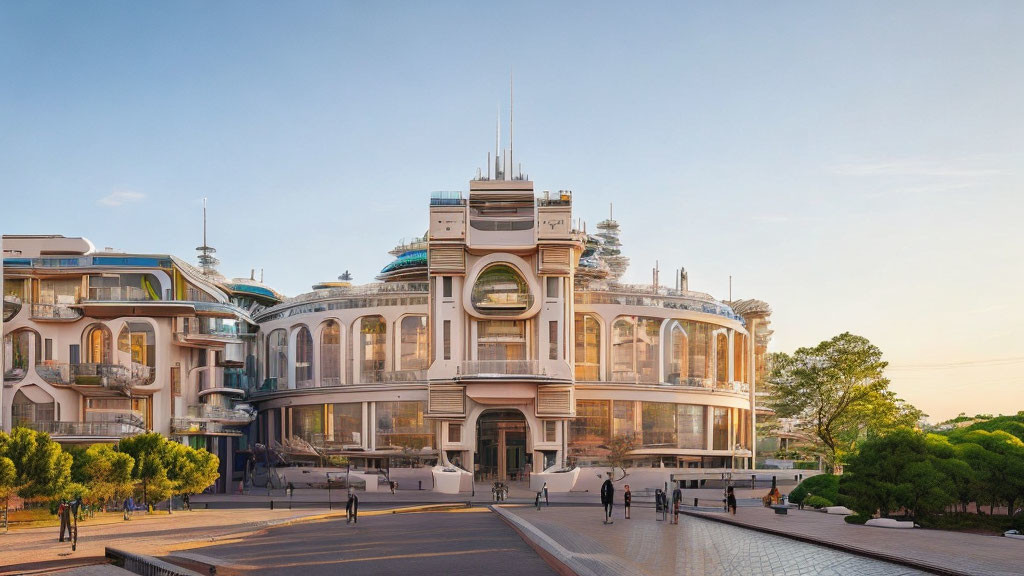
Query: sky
x=857, y=165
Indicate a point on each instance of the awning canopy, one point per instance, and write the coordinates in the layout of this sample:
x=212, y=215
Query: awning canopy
x=36, y=394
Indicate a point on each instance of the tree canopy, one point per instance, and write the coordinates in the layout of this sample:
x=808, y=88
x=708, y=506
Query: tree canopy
x=41, y=467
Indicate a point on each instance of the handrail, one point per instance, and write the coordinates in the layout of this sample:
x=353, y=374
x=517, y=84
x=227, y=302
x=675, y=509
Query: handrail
x=500, y=368
x=109, y=429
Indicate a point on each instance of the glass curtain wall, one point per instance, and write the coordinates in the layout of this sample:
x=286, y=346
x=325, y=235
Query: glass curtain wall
x=277, y=357
x=636, y=343
x=330, y=354
x=588, y=347
x=720, y=431
x=402, y=425
x=373, y=336
x=692, y=421
x=413, y=347
x=722, y=358
x=677, y=355
x=592, y=426
x=308, y=423
x=303, y=358
x=348, y=423
x=623, y=417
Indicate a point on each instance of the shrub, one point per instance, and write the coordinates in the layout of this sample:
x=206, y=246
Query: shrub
x=809, y=465
x=824, y=485
x=815, y=501
x=857, y=518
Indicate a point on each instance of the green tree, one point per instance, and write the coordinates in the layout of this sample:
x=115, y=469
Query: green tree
x=42, y=468
x=193, y=471
x=108, y=473
x=998, y=460
x=837, y=393
x=151, y=457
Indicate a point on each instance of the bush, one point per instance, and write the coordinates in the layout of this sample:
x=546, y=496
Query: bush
x=809, y=465
x=857, y=518
x=824, y=485
x=815, y=501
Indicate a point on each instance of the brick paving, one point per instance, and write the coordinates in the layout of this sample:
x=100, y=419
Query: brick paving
x=643, y=546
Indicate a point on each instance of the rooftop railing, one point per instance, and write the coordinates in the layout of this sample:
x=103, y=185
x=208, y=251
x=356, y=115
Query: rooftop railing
x=500, y=368
x=446, y=198
x=405, y=376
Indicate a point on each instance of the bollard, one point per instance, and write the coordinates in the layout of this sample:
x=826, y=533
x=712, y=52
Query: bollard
x=421, y=484
x=271, y=504
x=694, y=502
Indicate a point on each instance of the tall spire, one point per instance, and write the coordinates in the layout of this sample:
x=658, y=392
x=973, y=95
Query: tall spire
x=207, y=261
x=511, y=125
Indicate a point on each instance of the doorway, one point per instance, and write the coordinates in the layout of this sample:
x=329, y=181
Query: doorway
x=502, y=451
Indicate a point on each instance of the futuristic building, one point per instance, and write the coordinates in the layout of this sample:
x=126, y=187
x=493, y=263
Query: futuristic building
x=499, y=345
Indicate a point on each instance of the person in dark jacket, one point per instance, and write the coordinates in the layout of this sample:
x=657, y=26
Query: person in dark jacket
x=677, y=499
x=730, y=500
x=608, y=499
x=64, y=513
x=352, y=508
x=627, y=499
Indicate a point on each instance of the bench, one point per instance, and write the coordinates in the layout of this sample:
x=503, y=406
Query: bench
x=780, y=509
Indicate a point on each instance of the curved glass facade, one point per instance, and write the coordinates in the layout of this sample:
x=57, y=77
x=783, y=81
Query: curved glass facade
x=330, y=354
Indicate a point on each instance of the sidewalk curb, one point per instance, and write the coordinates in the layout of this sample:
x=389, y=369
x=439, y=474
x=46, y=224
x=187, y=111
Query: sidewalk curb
x=923, y=566
x=557, y=556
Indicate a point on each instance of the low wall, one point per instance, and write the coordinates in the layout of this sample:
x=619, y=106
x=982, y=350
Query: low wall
x=146, y=565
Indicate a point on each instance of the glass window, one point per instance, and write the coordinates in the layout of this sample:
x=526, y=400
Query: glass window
x=698, y=338
x=623, y=417
x=414, y=343
x=720, y=433
x=26, y=412
x=330, y=354
x=373, y=348
x=303, y=358
x=659, y=424
x=454, y=432
x=277, y=356
x=98, y=345
x=446, y=286
x=588, y=347
x=348, y=423
x=503, y=340
x=552, y=286
x=722, y=358
x=739, y=362
x=136, y=347
x=691, y=424
x=592, y=426
x=648, y=346
x=308, y=423
x=501, y=291
x=402, y=425
x=447, y=328
x=635, y=349
x=622, y=351
x=677, y=356
x=16, y=354
x=550, y=431
x=553, y=340
x=742, y=433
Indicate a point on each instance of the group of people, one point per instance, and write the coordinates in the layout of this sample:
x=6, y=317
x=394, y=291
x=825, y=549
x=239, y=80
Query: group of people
x=661, y=503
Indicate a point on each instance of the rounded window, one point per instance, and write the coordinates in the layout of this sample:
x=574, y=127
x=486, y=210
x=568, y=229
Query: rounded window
x=501, y=291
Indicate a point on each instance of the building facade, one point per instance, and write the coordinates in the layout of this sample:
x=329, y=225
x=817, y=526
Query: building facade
x=499, y=345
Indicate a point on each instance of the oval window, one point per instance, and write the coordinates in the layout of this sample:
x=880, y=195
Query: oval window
x=501, y=291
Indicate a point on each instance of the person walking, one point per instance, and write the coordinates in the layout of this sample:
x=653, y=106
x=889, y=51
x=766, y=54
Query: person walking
x=186, y=502
x=608, y=499
x=352, y=508
x=124, y=508
x=392, y=484
x=627, y=499
x=131, y=507
x=546, y=501
x=730, y=500
x=64, y=513
x=677, y=499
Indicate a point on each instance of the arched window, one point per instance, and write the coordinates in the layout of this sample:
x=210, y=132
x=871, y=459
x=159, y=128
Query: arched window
x=722, y=358
x=739, y=357
x=31, y=405
x=635, y=349
x=698, y=336
x=17, y=357
x=98, y=345
x=588, y=347
x=330, y=354
x=277, y=357
x=373, y=336
x=501, y=291
x=136, y=349
x=414, y=343
x=303, y=358
x=677, y=355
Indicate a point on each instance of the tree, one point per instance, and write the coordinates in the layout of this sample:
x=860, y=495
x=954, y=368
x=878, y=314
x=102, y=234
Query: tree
x=108, y=473
x=150, y=454
x=42, y=468
x=618, y=450
x=837, y=393
x=193, y=471
x=998, y=460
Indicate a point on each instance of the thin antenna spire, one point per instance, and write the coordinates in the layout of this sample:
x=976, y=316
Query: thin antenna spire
x=511, y=123
x=610, y=212
x=204, y=221
x=497, y=144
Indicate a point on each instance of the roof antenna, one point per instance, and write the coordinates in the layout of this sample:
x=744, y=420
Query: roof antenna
x=511, y=123
x=497, y=144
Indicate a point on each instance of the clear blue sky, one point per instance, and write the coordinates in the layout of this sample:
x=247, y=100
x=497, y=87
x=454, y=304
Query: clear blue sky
x=857, y=166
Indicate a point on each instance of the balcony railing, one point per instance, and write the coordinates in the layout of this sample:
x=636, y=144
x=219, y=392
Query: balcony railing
x=99, y=429
x=500, y=368
x=117, y=294
x=115, y=376
x=54, y=312
x=405, y=376
x=190, y=426
x=230, y=416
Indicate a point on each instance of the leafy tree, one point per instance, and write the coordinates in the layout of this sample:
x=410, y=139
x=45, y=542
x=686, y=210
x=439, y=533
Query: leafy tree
x=998, y=460
x=163, y=468
x=838, y=394
x=192, y=471
x=108, y=473
x=42, y=468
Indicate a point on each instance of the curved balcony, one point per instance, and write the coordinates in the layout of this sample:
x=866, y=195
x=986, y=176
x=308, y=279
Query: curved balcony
x=112, y=376
x=55, y=313
x=86, y=430
x=501, y=369
x=12, y=305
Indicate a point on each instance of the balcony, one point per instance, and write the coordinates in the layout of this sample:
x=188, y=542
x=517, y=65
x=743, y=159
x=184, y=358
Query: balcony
x=192, y=427
x=118, y=294
x=86, y=429
x=55, y=313
x=113, y=376
x=229, y=416
x=500, y=369
x=207, y=331
x=12, y=305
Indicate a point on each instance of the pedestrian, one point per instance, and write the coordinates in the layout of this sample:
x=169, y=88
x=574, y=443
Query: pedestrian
x=124, y=508
x=730, y=500
x=64, y=513
x=392, y=484
x=352, y=508
x=677, y=499
x=627, y=499
x=546, y=501
x=186, y=502
x=608, y=499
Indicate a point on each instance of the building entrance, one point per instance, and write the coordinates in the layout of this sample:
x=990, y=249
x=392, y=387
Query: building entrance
x=501, y=445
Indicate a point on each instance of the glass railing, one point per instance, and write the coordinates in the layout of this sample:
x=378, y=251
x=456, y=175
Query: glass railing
x=212, y=412
x=405, y=376
x=500, y=368
x=187, y=426
x=102, y=429
x=115, y=376
x=55, y=312
x=117, y=294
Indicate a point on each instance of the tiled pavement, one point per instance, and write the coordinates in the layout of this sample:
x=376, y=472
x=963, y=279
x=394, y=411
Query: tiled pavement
x=643, y=546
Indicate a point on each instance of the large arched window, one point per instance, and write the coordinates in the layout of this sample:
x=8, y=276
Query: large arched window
x=303, y=358
x=31, y=405
x=739, y=355
x=698, y=336
x=330, y=354
x=588, y=347
x=98, y=349
x=635, y=349
x=501, y=291
x=722, y=358
x=17, y=357
x=136, y=350
x=277, y=357
x=414, y=343
x=373, y=335
x=677, y=355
